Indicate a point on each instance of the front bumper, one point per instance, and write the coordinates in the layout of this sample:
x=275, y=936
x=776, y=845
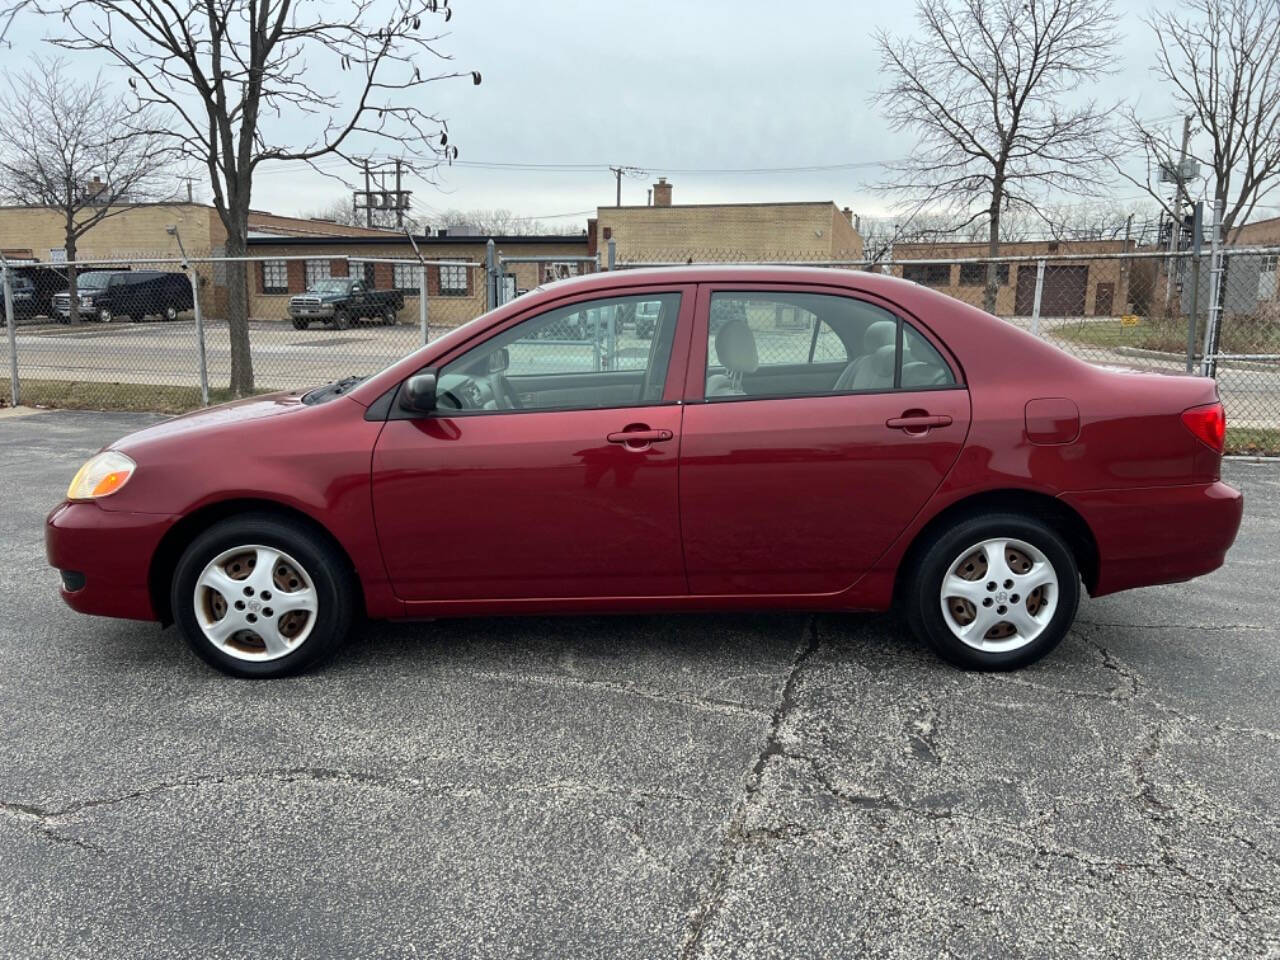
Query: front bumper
x=1150, y=535
x=111, y=551
x=322, y=312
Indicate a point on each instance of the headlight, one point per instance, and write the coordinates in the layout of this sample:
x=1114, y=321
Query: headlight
x=86, y=301
x=102, y=476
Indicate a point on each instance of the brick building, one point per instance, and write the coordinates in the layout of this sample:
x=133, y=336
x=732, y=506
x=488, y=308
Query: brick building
x=1077, y=283
x=455, y=294
x=744, y=232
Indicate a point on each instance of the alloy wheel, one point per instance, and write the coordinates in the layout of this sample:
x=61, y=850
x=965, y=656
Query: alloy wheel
x=999, y=595
x=256, y=603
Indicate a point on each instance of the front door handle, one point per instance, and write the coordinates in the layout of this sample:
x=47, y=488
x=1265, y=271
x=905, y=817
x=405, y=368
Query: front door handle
x=918, y=422
x=638, y=438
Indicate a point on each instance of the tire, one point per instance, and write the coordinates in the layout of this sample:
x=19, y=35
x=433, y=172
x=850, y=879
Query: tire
x=1036, y=555
x=299, y=324
x=341, y=321
x=301, y=637
x=171, y=313
x=389, y=317
x=104, y=315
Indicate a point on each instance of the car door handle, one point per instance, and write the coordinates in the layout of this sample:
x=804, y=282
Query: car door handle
x=918, y=422
x=640, y=436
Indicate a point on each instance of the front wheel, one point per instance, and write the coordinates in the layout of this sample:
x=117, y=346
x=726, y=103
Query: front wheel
x=993, y=592
x=299, y=324
x=341, y=321
x=104, y=315
x=262, y=596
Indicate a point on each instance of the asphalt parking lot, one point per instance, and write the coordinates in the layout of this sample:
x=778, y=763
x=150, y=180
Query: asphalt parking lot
x=754, y=786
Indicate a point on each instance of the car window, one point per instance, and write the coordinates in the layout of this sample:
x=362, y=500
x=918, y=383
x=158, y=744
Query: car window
x=597, y=353
x=804, y=344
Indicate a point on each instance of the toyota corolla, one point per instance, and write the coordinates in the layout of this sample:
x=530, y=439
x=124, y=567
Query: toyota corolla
x=776, y=438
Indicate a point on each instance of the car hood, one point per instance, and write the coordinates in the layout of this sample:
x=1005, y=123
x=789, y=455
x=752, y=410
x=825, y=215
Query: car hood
x=213, y=420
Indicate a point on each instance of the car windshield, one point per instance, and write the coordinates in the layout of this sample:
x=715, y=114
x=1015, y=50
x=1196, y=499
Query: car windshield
x=94, y=281
x=332, y=285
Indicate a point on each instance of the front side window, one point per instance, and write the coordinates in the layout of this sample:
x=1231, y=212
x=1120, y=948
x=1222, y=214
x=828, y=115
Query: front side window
x=317, y=270
x=611, y=352
x=806, y=344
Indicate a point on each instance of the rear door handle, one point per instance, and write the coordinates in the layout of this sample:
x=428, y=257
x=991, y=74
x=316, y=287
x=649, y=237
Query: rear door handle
x=640, y=436
x=918, y=422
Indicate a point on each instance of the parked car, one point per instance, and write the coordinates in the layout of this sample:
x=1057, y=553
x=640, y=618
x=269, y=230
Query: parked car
x=339, y=300
x=23, y=292
x=136, y=294
x=930, y=457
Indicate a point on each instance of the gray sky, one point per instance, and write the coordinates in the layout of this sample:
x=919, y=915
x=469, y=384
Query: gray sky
x=678, y=89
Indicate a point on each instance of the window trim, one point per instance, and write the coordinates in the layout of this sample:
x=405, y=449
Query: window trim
x=696, y=369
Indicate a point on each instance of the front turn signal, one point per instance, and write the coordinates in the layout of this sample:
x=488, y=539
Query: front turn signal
x=103, y=475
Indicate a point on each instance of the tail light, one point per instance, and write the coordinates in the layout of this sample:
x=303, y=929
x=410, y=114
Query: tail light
x=1208, y=423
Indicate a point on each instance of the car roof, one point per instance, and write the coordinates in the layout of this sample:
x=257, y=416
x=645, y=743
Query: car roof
x=733, y=273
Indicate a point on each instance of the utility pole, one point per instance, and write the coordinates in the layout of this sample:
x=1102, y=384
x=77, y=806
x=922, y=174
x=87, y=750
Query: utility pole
x=1175, y=216
x=368, y=194
x=399, y=205
x=617, y=175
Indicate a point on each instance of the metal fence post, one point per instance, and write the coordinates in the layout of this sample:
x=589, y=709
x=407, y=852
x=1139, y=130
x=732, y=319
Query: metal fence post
x=201, y=359
x=1035, y=305
x=1197, y=229
x=490, y=271
x=1209, y=365
x=422, y=304
x=12, y=323
x=613, y=253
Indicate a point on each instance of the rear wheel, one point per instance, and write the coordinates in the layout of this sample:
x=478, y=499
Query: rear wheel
x=993, y=592
x=262, y=596
x=389, y=316
x=171, y=313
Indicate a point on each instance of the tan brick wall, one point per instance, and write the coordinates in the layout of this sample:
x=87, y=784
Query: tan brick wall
x=135, y=231
x=774, y=231
x=444, y=310
x=1260, y=233
x=1061, y=254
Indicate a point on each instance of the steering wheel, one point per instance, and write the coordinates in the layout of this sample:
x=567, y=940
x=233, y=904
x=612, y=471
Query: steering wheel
x=504, y=394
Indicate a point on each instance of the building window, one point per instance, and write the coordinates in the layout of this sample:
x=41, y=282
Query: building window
x=275, y=276
x=559, y=271
x=929, y=274
x=406, y=276
x=453, y=280
x=975, y=274
x=317, y=270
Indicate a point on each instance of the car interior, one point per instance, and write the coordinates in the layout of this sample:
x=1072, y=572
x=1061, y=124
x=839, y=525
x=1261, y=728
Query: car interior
x=810, y=344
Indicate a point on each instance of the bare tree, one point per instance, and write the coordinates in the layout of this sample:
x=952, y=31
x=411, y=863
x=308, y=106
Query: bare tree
x=344, y=212
x=497, y=222
x=239, y=74
x=1221, y=60
x=72, y=147
x=983, y=86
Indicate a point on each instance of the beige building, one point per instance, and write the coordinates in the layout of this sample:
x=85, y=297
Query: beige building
x=667, y=232
x=140, y=230
x=1077, y=283
x=455, y=293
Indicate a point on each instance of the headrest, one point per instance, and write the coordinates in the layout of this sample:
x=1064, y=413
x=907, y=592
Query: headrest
x=882, y=333
x=736, y=347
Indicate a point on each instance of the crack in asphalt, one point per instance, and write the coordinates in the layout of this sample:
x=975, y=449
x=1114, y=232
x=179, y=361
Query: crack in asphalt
x=735, y=830
x=1173, y=626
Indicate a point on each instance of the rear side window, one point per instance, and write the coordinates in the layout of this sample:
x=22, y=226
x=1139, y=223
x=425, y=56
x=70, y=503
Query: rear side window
x=804, y=344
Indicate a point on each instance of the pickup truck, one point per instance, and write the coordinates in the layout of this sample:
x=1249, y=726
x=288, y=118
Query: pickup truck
x=339, y=300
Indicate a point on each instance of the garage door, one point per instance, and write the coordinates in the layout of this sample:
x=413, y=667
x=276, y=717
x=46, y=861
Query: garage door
x=1063, y=294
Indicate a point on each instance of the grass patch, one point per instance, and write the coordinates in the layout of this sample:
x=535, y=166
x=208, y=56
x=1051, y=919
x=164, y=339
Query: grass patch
x=1258, y=441
x=87, y=395
x=1169, y=334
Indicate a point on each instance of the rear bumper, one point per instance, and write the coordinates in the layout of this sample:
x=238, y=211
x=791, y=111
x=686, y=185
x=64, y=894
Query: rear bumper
x=1150, y=535
x=105, y=557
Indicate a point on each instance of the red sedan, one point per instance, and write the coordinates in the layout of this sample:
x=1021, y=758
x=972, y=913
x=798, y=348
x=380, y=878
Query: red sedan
x=690, y=439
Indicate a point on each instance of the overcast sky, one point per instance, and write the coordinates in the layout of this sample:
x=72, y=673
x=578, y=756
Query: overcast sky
x=677, y=89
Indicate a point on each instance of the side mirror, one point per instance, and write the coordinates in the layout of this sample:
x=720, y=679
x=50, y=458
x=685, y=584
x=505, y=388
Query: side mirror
x=499, y=360
x=418, y=394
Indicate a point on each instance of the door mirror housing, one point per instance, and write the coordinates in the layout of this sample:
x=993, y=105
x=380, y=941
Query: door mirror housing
x=499, y=360
x=418, y=394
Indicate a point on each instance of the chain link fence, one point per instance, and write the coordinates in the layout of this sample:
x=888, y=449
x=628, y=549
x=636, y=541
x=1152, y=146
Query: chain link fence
x=143, y=333
x=1177, y=313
